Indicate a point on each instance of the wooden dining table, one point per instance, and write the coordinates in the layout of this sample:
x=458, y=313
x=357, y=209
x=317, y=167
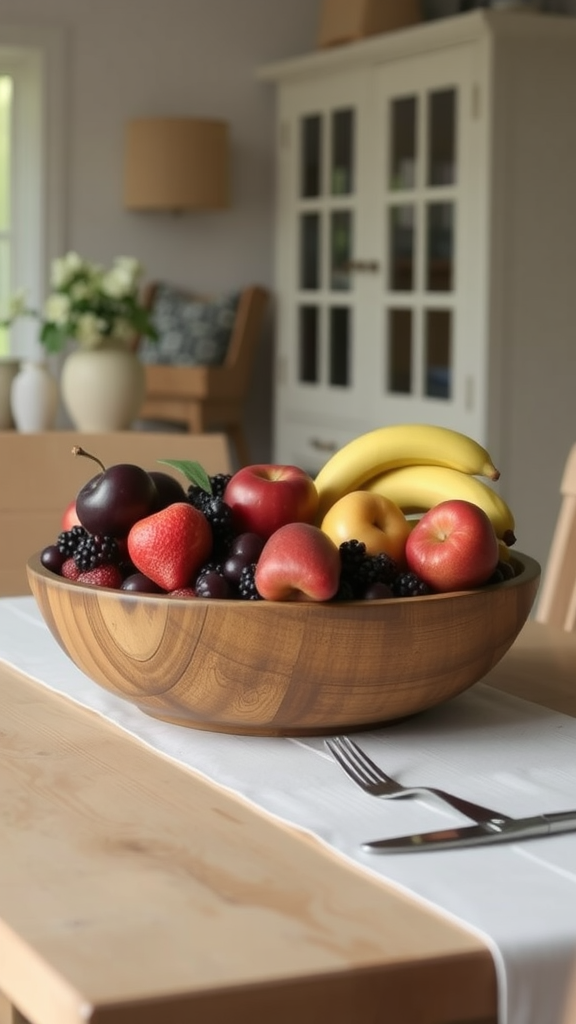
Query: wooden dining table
x=134, y=891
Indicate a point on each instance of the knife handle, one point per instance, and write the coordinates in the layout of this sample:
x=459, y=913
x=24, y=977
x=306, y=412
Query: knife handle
x=561, y=821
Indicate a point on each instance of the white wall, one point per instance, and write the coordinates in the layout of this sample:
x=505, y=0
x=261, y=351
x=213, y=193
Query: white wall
x=134, y=58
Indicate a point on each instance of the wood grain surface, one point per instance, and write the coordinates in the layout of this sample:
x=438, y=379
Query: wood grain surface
x=135, y=892
x=284, y=667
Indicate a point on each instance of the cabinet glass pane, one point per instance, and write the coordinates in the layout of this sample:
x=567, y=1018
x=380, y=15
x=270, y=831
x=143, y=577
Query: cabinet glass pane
x=342, y=179
x=438, y=354
x=5, y=117
x=402, y=228
x=341, y=226
x=309, y=250
x=442, y=137
x=339, y=370
x=308, y=345
x=399, y=369
x=440, y=247
x=403, y=142
x=311, y=156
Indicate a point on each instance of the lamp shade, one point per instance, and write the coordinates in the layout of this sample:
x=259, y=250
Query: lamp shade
x=176, y=164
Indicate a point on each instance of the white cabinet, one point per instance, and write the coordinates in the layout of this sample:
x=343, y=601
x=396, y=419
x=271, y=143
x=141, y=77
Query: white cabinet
x=426, y=245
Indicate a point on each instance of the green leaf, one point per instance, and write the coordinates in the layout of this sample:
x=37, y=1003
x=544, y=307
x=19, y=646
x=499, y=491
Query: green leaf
x=51, y=337
x=193, y=472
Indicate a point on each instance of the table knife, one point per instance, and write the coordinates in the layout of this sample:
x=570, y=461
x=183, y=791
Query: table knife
x=498, y=830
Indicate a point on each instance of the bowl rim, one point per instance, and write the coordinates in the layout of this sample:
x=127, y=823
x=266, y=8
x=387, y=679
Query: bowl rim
x=530, y=570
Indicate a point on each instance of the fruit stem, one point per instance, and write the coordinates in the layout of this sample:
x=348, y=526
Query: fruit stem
x=77, y=450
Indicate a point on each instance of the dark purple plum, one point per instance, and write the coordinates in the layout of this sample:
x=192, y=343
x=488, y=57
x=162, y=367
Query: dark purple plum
x=111, y=502
x=52, y=558
x=168, y=487
x=138, y=583
x=212, y=584
x=244, y=550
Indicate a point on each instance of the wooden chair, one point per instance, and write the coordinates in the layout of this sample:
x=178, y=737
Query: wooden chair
x=210, y=397
x=557, y=599
x=40, y=477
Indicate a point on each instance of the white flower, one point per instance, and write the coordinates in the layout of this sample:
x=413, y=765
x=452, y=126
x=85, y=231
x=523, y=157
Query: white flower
x=57, y=308
x=118, y=282
x=80, y=290
x=65, y=268
x=131, y=266
x=89, y=304
x=89, y=329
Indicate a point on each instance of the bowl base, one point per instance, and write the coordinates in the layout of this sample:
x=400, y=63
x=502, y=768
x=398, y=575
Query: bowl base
x=258, y=730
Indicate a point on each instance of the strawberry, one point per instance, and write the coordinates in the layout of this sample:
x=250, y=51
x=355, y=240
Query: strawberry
x=70, y=570
x=183, y=592
x=170, y=546
x=103, y=576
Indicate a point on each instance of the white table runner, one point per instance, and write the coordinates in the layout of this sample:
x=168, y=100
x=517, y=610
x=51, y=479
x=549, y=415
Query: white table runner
x=485, y=745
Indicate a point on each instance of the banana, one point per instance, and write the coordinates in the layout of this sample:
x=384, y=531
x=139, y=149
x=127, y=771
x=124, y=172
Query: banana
x=418, y=488
x=390, y=447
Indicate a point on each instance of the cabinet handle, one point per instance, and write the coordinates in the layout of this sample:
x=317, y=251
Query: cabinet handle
x=322, y=446
x=363, y=266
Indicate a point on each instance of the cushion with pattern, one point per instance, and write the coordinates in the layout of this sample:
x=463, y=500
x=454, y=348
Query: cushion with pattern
x=191, y=331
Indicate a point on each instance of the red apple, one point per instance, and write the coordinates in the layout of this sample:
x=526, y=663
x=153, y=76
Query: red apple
x=265, y=497
x=70, y=516
x=371, y=518
x=453, y=546
x=298, y=563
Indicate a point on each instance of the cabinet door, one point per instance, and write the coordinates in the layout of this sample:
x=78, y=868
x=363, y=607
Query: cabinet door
x=320, y=187
x=426, y=224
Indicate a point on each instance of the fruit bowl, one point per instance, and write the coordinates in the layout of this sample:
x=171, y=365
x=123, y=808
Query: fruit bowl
x=284, y=668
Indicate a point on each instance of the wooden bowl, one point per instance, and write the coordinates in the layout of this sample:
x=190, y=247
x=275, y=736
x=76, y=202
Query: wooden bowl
x=275, y=668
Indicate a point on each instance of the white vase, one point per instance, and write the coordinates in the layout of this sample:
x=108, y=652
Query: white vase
x=34, y=398
x=102, y=389
x=8, y=370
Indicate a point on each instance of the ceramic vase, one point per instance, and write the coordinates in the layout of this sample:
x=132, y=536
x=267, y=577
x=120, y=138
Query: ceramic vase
x=8, y=370
x=34, y=398
x=102, y=388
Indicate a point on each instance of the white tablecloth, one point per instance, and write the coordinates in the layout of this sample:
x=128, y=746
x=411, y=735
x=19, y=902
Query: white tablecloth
x=500, y=751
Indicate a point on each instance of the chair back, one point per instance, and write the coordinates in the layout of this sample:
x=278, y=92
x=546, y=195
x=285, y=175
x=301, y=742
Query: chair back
x=557, y=598
x=41, y=477
x=246, y=334
x=209, y=397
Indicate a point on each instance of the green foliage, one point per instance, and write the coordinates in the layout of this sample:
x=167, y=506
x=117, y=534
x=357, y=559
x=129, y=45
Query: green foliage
x=193, y=472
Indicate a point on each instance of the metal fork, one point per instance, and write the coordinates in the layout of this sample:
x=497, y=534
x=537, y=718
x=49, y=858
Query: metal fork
x=362, y=770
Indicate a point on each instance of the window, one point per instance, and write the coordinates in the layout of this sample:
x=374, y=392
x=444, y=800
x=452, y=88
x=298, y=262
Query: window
x=5, y=177
x=31, y=168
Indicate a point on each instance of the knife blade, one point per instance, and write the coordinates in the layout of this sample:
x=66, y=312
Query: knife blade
x=498, y=830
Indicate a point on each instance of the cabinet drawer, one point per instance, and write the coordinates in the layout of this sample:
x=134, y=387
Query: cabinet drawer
x=310, y=445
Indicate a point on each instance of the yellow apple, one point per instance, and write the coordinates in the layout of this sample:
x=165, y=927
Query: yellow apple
x=371, y=518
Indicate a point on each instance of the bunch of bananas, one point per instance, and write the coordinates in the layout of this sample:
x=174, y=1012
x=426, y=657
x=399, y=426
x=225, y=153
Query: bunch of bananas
x=416, y=466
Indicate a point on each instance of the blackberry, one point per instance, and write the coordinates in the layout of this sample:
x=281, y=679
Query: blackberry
x=352, y=554
x=408, y=584
x=384, y=569
x=219, y=516
x=68, y=540
x=95, y=550
x=247, y=585
x=198, y=497
x=219, y=482
x=345, y=592
x=360, y=570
